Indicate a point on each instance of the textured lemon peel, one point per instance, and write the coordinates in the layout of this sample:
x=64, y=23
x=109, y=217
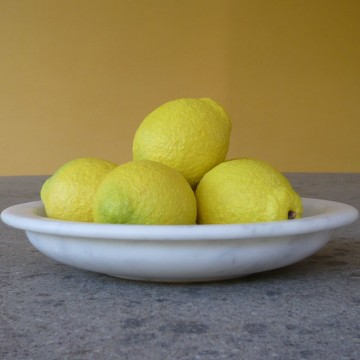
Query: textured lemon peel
x=190, y=135
x=145, y=192
x=245, y=191
x=68, y=194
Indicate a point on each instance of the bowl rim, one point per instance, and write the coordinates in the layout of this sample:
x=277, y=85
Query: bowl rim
x=27, y=216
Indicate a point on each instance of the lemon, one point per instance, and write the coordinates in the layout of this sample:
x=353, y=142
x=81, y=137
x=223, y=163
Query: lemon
x=191, y=135
x=246, y=191
x=68, y=194
x=144, y=192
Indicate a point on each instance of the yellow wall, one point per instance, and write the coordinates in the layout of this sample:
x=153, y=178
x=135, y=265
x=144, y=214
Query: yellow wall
x=78, y=76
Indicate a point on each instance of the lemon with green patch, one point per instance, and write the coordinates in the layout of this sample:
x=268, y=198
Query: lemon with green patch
x=145, y=192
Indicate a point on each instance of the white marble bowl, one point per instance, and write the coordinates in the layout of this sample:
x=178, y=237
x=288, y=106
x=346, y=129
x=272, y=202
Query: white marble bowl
x=181, y=253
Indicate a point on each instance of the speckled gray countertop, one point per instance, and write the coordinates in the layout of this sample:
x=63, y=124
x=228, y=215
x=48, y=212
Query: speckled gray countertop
x=310, y=310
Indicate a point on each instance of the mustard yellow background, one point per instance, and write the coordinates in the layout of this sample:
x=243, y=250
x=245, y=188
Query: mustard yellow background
x=78, y=76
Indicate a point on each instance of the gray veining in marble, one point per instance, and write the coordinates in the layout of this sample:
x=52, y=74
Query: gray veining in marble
x=310, y=310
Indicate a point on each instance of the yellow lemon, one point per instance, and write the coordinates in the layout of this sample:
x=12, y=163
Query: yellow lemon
x=68, y=194
x=191, y=135
x=246, y=191
x=144, y=192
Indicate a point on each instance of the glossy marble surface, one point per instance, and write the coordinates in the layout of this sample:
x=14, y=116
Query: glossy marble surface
x=185, y=253
x=308, y=310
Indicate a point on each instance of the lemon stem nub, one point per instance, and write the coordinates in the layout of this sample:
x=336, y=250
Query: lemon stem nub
x=291, y=214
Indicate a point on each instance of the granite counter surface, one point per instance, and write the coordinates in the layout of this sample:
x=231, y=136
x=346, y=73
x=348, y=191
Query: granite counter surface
x=309, y=310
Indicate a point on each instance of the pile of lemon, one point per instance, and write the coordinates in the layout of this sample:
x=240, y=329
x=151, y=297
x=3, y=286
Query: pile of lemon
x=178, y=175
